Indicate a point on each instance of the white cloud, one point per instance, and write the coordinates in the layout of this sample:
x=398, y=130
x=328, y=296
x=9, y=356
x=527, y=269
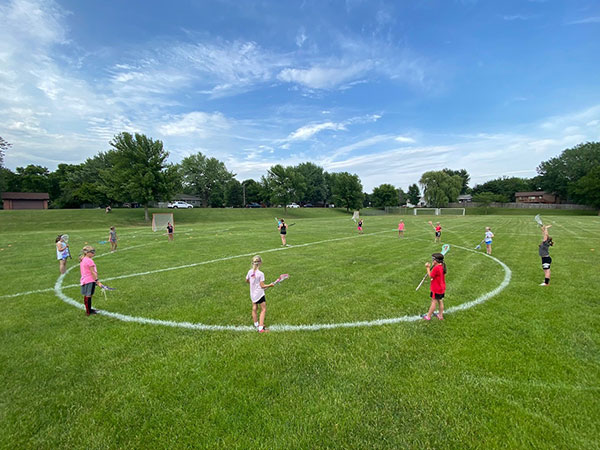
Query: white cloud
x=595, y=19
x=308, y=131
x=195, y=123
x=322, y=77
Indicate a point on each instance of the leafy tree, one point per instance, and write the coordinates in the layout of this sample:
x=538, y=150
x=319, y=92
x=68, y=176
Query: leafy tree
x=316, y=190
x=202, y=175
x=586, y=190
x=465, y=179
x=384, y=195
x=34, y=178
x=402, y=197
x=505, y=186
x=233, y=193
x=285, y=185
x=252, y=191
x=347, y=190
x=4, y=146
x=485, y=199
x=140, y=171
x=558, y=174
x=9, y=181
x=440, y=188
x=414, y=194
x=366, y=200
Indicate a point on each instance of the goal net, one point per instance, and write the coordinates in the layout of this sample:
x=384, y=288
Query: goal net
x=426, y=211
x=160, y=221
x=452, y=211
x=400, y=210
x=355, y=216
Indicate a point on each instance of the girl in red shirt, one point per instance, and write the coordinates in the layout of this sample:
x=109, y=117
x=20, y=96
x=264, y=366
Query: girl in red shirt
x=438, y=285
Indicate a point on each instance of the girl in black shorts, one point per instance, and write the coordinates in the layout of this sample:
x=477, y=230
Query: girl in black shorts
x=282, y=231
x=545, y=254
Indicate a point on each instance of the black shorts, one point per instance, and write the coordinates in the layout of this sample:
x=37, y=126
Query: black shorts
x=438, y=234
x=88, y=289
x=437, y=296
x=262, y=300
x=546, y=261
x=283, y=233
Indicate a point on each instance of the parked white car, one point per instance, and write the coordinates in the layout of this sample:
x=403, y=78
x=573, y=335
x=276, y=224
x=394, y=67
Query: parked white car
x=293, y=205
x=179, y=204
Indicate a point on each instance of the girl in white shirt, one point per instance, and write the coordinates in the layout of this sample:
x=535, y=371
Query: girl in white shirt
x=256, y=279
x=488, y=240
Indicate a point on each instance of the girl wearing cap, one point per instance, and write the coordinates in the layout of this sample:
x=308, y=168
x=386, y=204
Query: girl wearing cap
x=256, y=279
x=488, y=240
x=62, y=253
x=282, y=231
x=438, y=285
x=545, y=254
x=89, y=277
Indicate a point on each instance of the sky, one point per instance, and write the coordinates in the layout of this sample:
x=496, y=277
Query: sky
x=386, y=90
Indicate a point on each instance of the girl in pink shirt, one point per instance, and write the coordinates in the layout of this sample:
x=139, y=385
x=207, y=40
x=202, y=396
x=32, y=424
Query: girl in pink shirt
x=256, y=279
x=401, y=229
x=89, y=277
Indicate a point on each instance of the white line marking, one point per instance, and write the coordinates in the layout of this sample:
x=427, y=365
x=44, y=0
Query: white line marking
x=313, y=327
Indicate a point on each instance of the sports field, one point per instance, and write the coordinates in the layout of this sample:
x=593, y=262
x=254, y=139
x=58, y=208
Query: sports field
x=173, y=360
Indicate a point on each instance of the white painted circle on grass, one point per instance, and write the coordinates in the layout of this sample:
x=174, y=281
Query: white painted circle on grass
x=313, y=327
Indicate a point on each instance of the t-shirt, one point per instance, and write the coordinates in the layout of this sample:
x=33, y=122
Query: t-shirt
x=401, y=226
x=113, y=236
x=438, y=280
x=255, y=277
x=544, y=249
x=85, y=266
x=170, y=229
x=64, y=253
x=488, y=237
x=438, y=229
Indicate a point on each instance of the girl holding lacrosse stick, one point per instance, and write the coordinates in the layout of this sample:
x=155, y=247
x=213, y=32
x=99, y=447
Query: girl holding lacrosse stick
x=488, y=240
x=545, y=254
x=62, y=253
x=112, y=238
x=360, y=224
x=89, y=277
x=401, y=229
x=170, y=231
x=282, y=231
x=256, y=279
x=438, y=285
x=438, y=231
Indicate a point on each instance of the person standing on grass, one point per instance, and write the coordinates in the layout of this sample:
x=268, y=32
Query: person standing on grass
x=282, y=231
x=401, y=229
x=112, y=238
x=360, y=224
x=438, y=231
x=170, y=231
x=438, y=285
x=256, y=279
x=488, y=240
x=89, y=277
x=545, y=254
x=62, y=253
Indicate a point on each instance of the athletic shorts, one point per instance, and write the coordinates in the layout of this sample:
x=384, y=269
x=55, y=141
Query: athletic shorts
x=283, y=233
x=359, y=228
x=63, y=258
x=88, y=289
x=438, y=234
x=488, y=242
x=546, y=261
x=437, y=296
x=262, y=300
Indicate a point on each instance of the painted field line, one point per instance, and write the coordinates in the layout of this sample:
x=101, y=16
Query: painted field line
x=313, y=327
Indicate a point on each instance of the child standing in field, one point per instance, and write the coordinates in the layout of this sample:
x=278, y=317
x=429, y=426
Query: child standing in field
x=401, y=229
x=170, y=231
x=112, y=238
x=545, y=254
x=488, y=240
x=89, y=277
x=438, y=285
x=438, y=231
x=282, y=231
x=256, y=279
x=360, y=224
x=62, y=253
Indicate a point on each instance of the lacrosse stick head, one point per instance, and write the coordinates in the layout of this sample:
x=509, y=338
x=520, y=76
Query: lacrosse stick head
x=478, y=247
x=445, y=249
x=65, y=238
x=282, y=277
x=538, y=219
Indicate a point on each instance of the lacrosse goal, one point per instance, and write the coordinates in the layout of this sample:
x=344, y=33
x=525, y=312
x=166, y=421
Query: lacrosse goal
x=160, y=221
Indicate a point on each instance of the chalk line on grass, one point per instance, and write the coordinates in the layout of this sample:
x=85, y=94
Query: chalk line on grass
x=313, y=327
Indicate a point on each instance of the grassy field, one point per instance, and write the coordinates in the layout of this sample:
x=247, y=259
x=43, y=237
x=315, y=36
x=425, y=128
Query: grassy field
x=172, y=361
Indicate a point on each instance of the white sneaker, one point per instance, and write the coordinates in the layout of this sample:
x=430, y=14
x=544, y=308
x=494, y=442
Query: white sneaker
x=543, y=284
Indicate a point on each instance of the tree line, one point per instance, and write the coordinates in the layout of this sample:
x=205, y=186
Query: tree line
x=135, y=169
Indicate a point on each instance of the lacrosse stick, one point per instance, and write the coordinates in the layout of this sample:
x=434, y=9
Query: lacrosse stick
x=104, y=289
x=65, y=239
x=445, y=249
x=538, y=219
x=102, y=242
x=292, y=224
x=479, y=245
x=282, y=277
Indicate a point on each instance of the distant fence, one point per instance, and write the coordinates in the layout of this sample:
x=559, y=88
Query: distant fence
x=515, y=205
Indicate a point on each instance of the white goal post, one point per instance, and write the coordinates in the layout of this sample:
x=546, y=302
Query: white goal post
x=160, y=221
x=439, y=211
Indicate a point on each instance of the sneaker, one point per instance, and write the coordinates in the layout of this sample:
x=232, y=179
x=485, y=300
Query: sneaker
x=93, y=311
x=424, y=316
x=264, y=330
x=543, y=284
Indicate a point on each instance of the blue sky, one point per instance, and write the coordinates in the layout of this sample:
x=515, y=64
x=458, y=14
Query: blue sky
x=383, y=89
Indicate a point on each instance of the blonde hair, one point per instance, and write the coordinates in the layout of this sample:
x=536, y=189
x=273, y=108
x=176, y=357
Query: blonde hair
x=85, y=250
x=256, y=262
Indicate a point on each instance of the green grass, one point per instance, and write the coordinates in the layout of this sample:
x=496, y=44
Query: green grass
x=518, y=371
